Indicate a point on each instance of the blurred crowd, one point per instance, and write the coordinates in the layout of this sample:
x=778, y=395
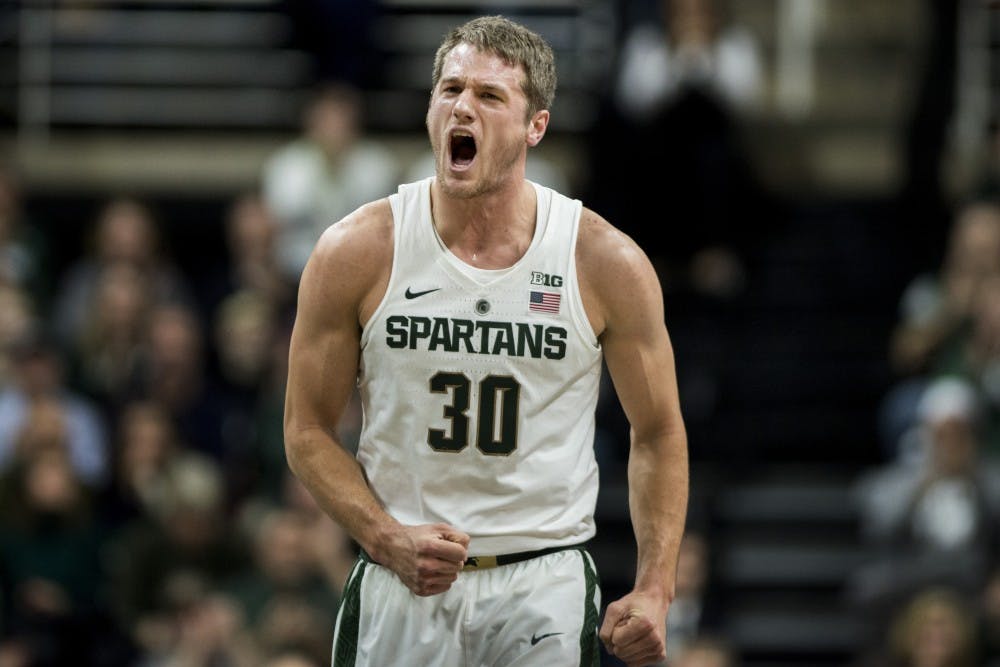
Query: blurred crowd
x=930, y=512
x=146, y=512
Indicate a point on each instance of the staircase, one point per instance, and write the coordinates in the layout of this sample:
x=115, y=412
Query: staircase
x=806, y=346
x=796, y=423
x=796, y=367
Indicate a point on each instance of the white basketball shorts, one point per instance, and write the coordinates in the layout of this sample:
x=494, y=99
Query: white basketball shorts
x=540, y=612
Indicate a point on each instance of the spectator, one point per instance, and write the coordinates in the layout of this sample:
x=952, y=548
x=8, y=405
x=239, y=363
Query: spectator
x=936, y=314
x=705, y=651
x=285, y=567
x=936, y=629
x=24, y=251
x=325, y=174
x=934, y=307
x=288, y=623
x=268, y=459
x=110, y=345
x=293, y=658
x=975, y=356
x=931, y=519
x=146, y=450
x=186, y=543
x=330, y=547
x=694, y=46
x=125, y=231
x=17, y=319
x=683, y=87
x=244, y=331
x=694, y=611
x=49, y=549
x=37, y=377
x=207, y=628
x=175, y=376
x=244, y=328
x=251, y=256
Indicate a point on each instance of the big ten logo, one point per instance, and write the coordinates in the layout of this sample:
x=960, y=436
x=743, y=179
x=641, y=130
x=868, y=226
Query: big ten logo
x=539, y=278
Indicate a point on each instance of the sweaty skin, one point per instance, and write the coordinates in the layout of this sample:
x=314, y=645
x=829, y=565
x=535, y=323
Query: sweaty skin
x=484, y=211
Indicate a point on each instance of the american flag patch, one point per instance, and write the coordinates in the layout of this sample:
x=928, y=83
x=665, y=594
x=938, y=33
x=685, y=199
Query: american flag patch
x=544, y=302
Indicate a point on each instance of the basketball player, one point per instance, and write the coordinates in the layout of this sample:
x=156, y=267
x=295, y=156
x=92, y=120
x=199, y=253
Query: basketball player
x=473, y=309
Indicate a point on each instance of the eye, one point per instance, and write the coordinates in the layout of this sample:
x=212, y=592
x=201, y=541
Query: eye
x=452, y=89
x=490, y=96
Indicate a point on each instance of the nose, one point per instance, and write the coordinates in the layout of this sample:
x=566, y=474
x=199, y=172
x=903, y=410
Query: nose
x=462, y=110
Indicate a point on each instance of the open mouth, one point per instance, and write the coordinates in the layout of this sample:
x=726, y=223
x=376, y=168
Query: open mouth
x=463, y=150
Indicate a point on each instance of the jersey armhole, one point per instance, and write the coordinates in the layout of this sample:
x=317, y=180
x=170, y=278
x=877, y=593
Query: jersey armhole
x=576, y=308
x=396, y=204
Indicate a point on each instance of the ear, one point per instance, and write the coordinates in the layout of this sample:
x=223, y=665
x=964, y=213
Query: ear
x=537, y=126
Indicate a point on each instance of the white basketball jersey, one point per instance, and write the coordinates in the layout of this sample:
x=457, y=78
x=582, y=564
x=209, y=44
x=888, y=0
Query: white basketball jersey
x=479, y=386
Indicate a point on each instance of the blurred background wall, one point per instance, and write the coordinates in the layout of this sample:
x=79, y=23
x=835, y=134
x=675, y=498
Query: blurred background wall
x=815, y=181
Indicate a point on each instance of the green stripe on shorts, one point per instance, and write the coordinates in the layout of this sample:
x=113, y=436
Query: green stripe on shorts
x=589, y=654
x=346, y=650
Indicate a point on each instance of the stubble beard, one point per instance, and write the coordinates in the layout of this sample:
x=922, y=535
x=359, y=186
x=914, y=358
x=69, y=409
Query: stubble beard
x=491, y=179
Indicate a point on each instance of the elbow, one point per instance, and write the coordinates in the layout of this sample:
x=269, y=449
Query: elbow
x=665, y=436
x=304, y=445
x=295, y=446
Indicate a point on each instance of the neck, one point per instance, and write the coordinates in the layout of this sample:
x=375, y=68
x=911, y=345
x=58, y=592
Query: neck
x=492, y=230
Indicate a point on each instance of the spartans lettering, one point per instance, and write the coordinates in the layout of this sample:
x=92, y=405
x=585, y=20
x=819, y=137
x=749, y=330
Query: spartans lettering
x=512, y=339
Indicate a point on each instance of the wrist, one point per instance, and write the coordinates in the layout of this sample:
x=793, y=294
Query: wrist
x=660, y=593
x=380, y=536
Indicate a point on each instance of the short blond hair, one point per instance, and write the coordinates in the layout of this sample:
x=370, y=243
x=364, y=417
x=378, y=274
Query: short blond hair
x=517, y=46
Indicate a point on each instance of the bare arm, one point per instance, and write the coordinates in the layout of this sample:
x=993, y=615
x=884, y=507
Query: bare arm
x=345, y=274
x=640, y=359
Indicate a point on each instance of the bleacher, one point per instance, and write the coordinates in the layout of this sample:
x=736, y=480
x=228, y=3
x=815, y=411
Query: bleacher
x=198, y=65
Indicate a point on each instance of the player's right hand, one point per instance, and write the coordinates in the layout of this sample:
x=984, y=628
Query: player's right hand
x=426, y=558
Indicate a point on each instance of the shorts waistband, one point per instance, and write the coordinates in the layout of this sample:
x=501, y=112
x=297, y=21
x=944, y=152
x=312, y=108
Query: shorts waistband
x=489, y=562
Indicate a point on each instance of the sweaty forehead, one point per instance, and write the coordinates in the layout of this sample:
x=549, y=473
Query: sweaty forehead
x=465, y=61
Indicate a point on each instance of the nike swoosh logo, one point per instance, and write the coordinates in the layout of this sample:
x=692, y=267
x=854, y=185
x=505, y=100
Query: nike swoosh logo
x=537, y=638
x=413, y=295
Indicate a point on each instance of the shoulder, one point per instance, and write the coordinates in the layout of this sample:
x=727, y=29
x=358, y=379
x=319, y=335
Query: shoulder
x=364, y=234
x=610, y=264
x=604, y=251
x=353, y=255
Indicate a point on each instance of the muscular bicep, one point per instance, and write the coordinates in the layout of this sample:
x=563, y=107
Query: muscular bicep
x=325, y=343
x=636, y=344
x=641, y=364
x=322, y=367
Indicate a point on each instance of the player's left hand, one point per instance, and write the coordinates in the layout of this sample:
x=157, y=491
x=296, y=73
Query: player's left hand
x=635, y=629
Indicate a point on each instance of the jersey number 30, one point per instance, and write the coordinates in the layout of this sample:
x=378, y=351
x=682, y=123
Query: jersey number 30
x=498, y=401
